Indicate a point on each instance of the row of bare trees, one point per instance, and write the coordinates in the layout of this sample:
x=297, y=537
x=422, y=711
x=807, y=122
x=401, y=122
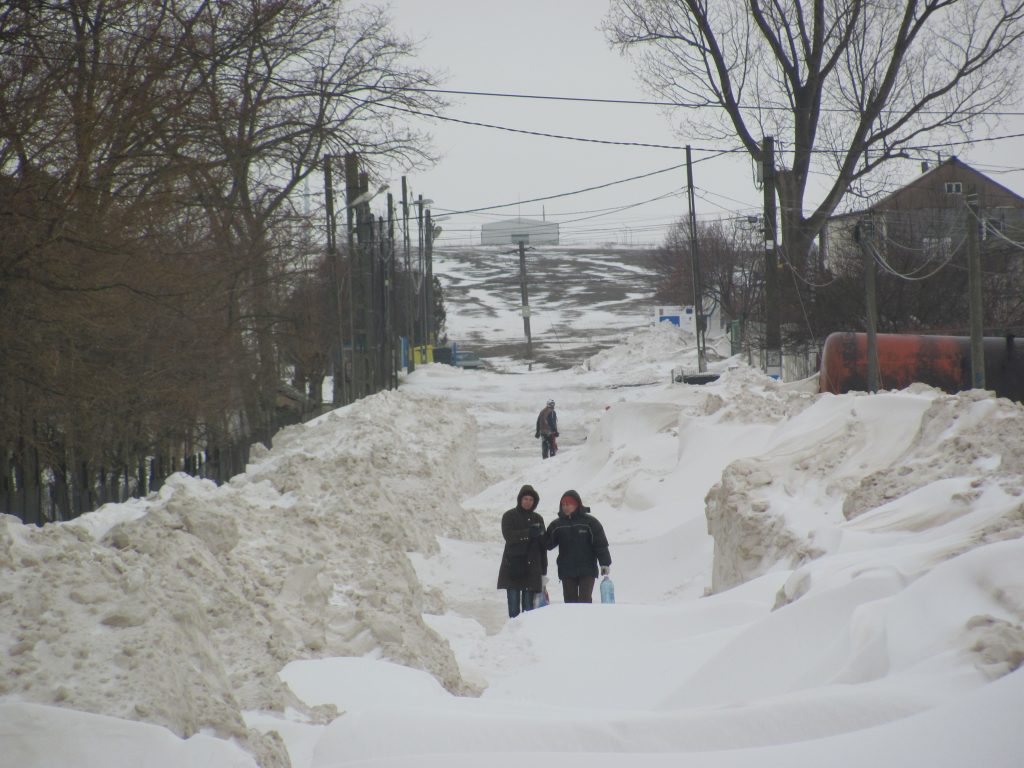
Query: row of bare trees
x=731, y=269
x=161, y=257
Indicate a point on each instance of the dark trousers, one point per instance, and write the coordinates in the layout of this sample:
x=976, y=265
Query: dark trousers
x=523, y=600
x=578, y=590
x=548, y=446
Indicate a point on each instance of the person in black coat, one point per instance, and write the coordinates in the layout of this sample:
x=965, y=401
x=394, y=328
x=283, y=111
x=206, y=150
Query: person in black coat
x=547, y=430
x=582, y=548
x=524, y=562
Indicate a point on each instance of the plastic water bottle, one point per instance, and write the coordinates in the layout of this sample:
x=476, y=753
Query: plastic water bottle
x=607, y=590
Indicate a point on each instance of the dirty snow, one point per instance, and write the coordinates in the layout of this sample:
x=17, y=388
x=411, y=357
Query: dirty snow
x=859, y=599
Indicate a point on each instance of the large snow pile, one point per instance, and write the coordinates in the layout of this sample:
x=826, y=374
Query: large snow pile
x=862, y=589
x=182, y=610
x=853, y=471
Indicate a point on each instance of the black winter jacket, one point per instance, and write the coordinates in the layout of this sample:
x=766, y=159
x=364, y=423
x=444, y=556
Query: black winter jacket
x=524, y=560
x=581, y=542
x=547, y=422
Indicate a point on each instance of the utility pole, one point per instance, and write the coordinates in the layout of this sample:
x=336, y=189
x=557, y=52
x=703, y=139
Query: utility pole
x=974, y=292
x=421, y=271
x=359, y=298
x=367, y=263
x=773, y=330
x=865, y=233
x=390, y=369
x=525, y=293
x=338, y=388
x=408, y=303
x=428, y=291
x=698, y=291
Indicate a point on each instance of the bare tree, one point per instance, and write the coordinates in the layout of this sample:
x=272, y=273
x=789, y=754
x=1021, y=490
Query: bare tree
x=156, y=225
x=731, y=267
x=93, y=297
x=281, y=86
x=843, y=85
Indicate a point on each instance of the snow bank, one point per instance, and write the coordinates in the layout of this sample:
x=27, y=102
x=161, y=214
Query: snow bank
x=50, y=737
x=866, y=584
x=834, y=459
x=182, y=610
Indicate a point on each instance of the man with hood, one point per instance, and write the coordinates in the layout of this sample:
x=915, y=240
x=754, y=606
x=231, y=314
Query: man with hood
x=582, y=547
x=524, y=563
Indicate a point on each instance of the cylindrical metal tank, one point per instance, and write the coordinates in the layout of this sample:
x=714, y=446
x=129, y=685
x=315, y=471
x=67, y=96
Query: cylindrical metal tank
x=943, y=362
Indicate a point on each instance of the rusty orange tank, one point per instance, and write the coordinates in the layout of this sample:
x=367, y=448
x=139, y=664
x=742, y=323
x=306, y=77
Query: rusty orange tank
x=943, y=362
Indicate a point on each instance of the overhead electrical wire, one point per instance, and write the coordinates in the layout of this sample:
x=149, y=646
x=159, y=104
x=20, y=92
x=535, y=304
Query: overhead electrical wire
x=987, y=225
x=565, y=194
x=623, y=208
x=577, y=99
x=645, y=102
x=644, y=145
x=911, y=277
x=544, y=134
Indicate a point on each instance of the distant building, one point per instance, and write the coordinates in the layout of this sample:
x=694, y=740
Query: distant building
x=926, y=219
x=512, y=231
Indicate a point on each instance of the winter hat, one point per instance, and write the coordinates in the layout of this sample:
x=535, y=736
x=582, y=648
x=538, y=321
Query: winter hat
x=527, y=490
x=571, y=495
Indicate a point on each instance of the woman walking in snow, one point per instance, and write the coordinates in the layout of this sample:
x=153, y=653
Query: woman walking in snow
x=524, y=563
x=582, y=547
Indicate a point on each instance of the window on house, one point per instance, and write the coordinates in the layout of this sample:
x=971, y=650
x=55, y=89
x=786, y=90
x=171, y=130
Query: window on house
x=954, y=188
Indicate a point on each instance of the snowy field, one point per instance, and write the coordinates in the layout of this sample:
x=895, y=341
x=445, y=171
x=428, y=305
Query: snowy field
x=802, y=580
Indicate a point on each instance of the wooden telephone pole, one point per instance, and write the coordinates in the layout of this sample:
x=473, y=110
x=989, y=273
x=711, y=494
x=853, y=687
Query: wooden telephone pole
x=524, y=291
x=339, y=394
x=698, y=290
x=865, y=232
x=974, y=292
x=772, y=311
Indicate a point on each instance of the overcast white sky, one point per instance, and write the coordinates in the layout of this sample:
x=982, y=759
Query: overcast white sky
x=539, y=47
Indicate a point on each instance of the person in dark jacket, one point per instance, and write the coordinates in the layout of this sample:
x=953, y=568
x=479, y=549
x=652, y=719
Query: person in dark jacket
x=524, y=563
x=547, y=430
x=582, y=548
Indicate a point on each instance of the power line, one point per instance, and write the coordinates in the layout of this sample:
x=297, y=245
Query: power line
x=645, y=145
x=986, y=224
x=608, y=209
x=910, y=277
x=649, y=103
x=625, y=207
x=566, y=194
x=542, y=134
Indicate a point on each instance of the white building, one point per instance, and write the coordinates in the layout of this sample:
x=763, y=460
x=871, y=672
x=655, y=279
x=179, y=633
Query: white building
x=512, y=231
